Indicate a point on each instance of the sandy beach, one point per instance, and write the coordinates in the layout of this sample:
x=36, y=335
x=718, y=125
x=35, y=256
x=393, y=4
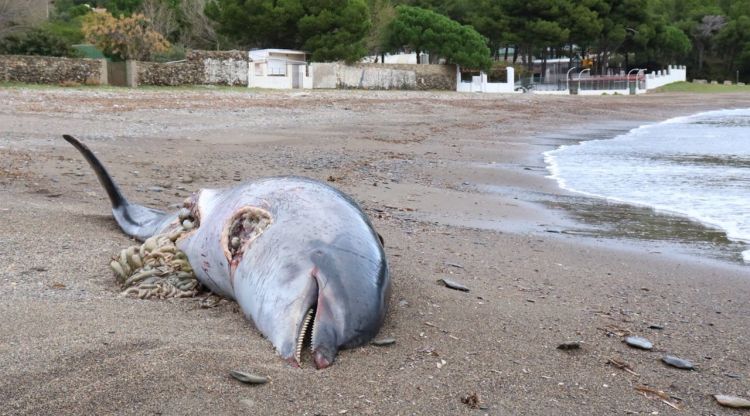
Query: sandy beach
x=456, y=185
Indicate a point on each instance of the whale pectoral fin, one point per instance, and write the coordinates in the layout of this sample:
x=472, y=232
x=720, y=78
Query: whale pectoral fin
x=135, y=220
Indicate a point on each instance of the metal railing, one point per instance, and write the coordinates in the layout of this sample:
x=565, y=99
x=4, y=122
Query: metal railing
x=588, y=83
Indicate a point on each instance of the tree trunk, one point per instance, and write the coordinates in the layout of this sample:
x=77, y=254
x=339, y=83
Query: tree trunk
x=418, y=59
x=515, y=53
x=570, y=56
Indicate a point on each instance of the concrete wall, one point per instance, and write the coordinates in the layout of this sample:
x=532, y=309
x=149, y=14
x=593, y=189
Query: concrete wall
x=384, y=77
x=52, y=70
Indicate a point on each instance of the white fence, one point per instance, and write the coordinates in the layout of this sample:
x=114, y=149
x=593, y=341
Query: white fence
x=661, y=78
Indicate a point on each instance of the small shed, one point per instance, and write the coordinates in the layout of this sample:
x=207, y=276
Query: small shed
x=279, y=68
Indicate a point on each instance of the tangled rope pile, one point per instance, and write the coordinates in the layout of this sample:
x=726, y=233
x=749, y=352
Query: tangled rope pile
x=157, y=269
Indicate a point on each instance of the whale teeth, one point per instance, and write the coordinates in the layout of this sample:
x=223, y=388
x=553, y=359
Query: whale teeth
x=312, y=336
x=301, y=337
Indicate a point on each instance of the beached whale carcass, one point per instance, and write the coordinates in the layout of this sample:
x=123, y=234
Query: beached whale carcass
x=300, y=258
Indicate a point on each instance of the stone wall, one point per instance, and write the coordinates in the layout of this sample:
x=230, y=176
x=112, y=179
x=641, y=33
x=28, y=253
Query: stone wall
x=199, y=68
x=384, y=77
x=177, y=73
x=52, y=70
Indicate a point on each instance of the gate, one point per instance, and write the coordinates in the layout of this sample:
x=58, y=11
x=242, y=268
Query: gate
x=117, y=73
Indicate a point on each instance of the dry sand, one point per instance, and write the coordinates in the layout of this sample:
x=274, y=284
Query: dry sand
x=417, y=162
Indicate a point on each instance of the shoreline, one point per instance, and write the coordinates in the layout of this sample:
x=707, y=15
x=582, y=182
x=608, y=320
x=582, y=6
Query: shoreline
x=72, y=344
x=637, y=207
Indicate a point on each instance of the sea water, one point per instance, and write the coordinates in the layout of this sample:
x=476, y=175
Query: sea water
x=697, y=166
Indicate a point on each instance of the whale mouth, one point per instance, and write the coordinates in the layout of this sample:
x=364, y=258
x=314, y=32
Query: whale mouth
x=305, y=335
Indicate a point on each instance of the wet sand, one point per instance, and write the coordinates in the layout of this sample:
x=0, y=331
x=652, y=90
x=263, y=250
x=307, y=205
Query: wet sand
x=455, y=183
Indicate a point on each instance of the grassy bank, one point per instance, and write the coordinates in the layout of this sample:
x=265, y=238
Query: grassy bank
x=702, y=88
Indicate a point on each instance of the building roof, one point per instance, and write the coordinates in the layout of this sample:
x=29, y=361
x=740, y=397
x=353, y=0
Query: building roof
x=260, y=54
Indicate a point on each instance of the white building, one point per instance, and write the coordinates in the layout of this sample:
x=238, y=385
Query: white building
x=398, y=58
x=279, y=69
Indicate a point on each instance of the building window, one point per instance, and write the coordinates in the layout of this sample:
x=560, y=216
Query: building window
x=277, y=67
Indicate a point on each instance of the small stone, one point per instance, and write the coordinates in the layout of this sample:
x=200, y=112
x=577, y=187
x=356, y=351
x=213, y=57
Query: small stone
x=382, y=342
x=235, y=242
x=732, y=401
x=571, y=345
x=453, y=285
x=655, y=326
x=248, y=378
x=187, y=179
x=638, y=342
x=155, y=188
x=677, y=362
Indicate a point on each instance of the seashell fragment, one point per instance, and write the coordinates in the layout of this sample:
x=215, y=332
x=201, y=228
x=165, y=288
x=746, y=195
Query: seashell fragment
x=732, y=401
x=639, y=342
x=248, y=378
x=677, y=362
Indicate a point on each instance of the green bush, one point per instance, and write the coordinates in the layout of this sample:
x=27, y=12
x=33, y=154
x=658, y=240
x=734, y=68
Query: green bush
x=37, y=41
x=174, y=53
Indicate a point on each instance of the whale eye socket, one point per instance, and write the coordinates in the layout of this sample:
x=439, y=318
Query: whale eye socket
x=244, y=227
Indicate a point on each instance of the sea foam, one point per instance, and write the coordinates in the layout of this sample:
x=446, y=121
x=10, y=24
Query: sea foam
x=696, y=166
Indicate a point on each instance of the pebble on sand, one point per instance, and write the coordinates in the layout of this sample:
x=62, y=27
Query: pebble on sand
x=639, y=342
x=677, y=362
x=382, y=342
x=453, y=285
x=571, y=345
x=732, y=401
x=248, y=378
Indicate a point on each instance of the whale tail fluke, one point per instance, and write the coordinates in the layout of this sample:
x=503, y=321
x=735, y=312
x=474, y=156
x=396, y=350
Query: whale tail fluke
x=135, y=220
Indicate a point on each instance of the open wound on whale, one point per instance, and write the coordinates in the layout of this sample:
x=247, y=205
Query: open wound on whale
x=243, y=227
x=156, y=268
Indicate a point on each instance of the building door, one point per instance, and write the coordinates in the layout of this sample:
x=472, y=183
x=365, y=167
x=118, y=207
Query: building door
x=296, y=76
